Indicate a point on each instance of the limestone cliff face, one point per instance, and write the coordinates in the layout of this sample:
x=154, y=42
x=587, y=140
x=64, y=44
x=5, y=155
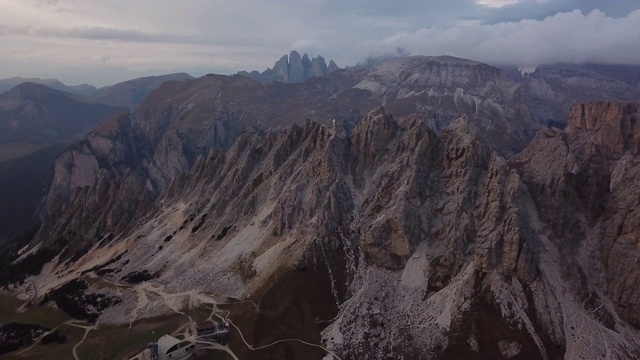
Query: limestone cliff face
x=294, y=69
x=581, y=182
x=423, y=243
x=553, y=89
x=121, y=167
x=96, y=190
x=446, y=88
x=613, y=125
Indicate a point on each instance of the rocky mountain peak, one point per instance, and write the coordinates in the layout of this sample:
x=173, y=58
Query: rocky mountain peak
x=25, y=92
x=332, y=66
x=294, y=69
x=612, y=124
x=281, y=67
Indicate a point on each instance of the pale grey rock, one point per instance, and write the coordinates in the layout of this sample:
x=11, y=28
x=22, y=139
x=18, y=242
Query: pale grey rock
x=296, y=68
x=281, y=68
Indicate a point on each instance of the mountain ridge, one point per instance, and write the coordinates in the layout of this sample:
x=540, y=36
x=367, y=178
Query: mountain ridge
x=131, y=92
x=404, y=226
x=81, y=90
x=430, y=225
x=36, y=113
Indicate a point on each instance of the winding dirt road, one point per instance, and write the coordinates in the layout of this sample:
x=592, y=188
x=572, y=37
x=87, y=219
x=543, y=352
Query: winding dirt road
x=177, y=301
x=87, y=329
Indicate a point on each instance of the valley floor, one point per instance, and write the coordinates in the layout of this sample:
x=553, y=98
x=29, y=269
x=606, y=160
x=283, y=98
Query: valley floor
x=87, y=341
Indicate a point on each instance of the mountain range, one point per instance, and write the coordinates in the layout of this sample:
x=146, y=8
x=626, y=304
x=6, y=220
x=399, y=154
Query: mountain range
x=424, y=207
x=81, y=90
x=37, y=123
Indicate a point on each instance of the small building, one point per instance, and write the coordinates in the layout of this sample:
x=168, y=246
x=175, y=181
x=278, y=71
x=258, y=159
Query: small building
x=213, y=329
x=174, y=349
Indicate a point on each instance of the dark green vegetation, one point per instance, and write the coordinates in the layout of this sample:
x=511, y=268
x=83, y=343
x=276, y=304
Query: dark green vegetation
x=31, y=265
x=75, y=301
x=15, y=335
x=37, y=124
x=23, y=183
x=107, y=342
x=137, y=277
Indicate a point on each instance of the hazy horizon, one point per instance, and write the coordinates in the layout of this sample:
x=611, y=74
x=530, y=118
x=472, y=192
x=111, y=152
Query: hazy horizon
x=105, y=42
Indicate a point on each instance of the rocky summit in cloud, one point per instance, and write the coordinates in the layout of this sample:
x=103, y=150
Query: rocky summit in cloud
x=99, y=43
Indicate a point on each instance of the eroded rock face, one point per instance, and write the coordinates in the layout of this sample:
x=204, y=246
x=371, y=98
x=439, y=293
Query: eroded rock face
x=445, y=88
x=553, y=89
x=580, y=179
x=104, y=182
x=424, y=239
x=429, y=244
x=613, y=125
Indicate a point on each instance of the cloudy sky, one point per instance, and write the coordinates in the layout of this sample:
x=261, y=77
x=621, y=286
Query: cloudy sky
x=106, y=41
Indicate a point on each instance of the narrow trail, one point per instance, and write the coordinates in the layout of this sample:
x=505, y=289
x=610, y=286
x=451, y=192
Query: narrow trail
x=255, y=348
x=87, y=329
x=38, y=340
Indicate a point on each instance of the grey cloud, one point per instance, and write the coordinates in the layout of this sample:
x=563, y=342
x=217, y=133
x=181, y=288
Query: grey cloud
x=226, y=35
x=565, y=37
x=539, y=10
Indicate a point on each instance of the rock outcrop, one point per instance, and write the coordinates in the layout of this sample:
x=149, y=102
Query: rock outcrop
x=445, y=88
x=612, y=124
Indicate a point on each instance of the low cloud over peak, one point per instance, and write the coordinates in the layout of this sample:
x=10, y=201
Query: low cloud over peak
x=68, y=39
x=571, y=37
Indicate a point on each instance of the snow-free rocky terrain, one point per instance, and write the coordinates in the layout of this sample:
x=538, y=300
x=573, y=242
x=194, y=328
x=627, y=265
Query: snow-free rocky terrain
x=400, y=233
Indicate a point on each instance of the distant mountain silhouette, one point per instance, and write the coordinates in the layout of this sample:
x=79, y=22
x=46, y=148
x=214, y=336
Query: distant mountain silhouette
x=38, y=114
x=131, y=92
x=293, y=69
x=82, y=89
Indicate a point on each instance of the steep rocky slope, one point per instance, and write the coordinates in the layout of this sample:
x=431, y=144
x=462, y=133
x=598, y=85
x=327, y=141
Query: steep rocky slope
x=129, y=160
x=428, y=246
x=405, y=236
x=37, y=123
x=592, y=167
